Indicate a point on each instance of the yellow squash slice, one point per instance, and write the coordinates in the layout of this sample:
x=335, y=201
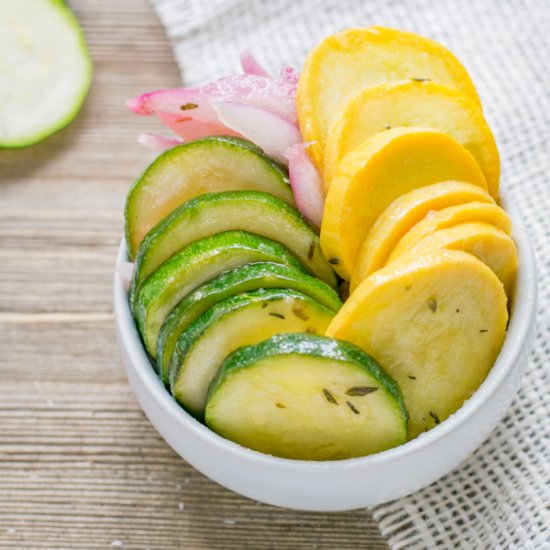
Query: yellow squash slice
x=354, y=59
x=376, y=173
x=426, y=104
x=435, y=325
x=404, y=212
x=488, y=244
x=448, y=217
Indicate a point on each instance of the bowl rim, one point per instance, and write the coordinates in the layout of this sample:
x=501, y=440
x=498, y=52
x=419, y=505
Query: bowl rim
x=521, y=320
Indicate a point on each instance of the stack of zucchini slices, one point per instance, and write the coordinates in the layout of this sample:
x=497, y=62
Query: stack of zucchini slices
x=232, y=296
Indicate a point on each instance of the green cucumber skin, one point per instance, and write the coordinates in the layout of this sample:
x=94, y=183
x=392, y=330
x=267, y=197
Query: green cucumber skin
x=210, y=205
x=242, y=279
x=313, y=346
x=157, y=288
x=223, y=308
x=232, y=143
x=64, y=9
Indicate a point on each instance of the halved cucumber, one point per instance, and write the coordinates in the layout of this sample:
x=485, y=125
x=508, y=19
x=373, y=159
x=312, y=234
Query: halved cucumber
x=242, y=279
x=214, y=163
x=252, y=211
x=238, y=321
x=195, y=264
x=306, y=397
x=46, y=70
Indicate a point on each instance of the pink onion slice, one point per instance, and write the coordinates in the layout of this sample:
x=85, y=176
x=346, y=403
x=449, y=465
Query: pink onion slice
x=154, y=141
x=251, y=66
x=290, y=75
x=277, y=95
x=306, y=183
x=269, y=131
x=190, y=129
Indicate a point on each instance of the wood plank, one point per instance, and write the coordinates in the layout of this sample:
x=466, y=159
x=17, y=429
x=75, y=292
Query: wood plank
x=80, y=465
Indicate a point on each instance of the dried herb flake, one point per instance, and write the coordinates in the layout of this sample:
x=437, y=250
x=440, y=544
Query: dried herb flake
x=484, y=330
x=264, y=305
x=432, y=304
x=300, y=313
x=352, y=407
x=360, y=391
x=419, y=79
x=280, y=405
x=278, y=315
x=188, y=106
x=329, y=397
x=311, y=251
x=411, y=377
x=435, y=417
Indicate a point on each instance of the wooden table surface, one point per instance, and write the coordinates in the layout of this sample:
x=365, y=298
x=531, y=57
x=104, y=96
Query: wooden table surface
x=80, y=464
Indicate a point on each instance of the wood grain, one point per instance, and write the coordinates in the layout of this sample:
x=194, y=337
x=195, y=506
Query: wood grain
x=80, y=465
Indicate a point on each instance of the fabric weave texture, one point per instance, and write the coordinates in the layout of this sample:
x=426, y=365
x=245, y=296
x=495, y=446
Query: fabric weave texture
x=500, y=497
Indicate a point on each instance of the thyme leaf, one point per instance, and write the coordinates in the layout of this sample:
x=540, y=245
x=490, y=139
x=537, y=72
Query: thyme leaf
x=329, y=397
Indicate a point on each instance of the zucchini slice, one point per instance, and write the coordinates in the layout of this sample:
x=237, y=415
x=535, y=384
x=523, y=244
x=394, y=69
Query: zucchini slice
x=435, y=324
x=413, y=103
x=306, y=397
x=216, y=163
x=192, y=266
x=46, y=70
x=242, y=279
x=354, y=59
x=252, y=211
x=372, y=176
x=474, y=211
x=238, y=321
x=402, y=214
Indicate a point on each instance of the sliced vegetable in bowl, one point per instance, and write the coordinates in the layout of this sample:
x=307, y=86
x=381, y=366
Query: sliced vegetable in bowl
x=237, y=321
x=242, y=279
x=306, y=397
x=211, y=213
x=192, y=266
x=208, y=165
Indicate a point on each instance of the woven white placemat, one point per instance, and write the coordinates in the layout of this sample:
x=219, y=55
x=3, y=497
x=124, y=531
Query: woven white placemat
x=500, y=497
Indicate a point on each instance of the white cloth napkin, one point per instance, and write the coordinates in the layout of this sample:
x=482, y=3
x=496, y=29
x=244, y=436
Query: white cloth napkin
x=500, y=497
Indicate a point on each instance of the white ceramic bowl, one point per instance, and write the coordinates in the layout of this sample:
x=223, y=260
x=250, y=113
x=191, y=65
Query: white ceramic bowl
x=343, y=484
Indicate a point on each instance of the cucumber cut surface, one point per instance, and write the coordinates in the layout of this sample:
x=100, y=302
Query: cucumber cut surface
x=242, y=279
x=192, y=266
x=238, y=321
x=216, y=163
x=306, y=397
x=46, y=70
x=251, y=211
